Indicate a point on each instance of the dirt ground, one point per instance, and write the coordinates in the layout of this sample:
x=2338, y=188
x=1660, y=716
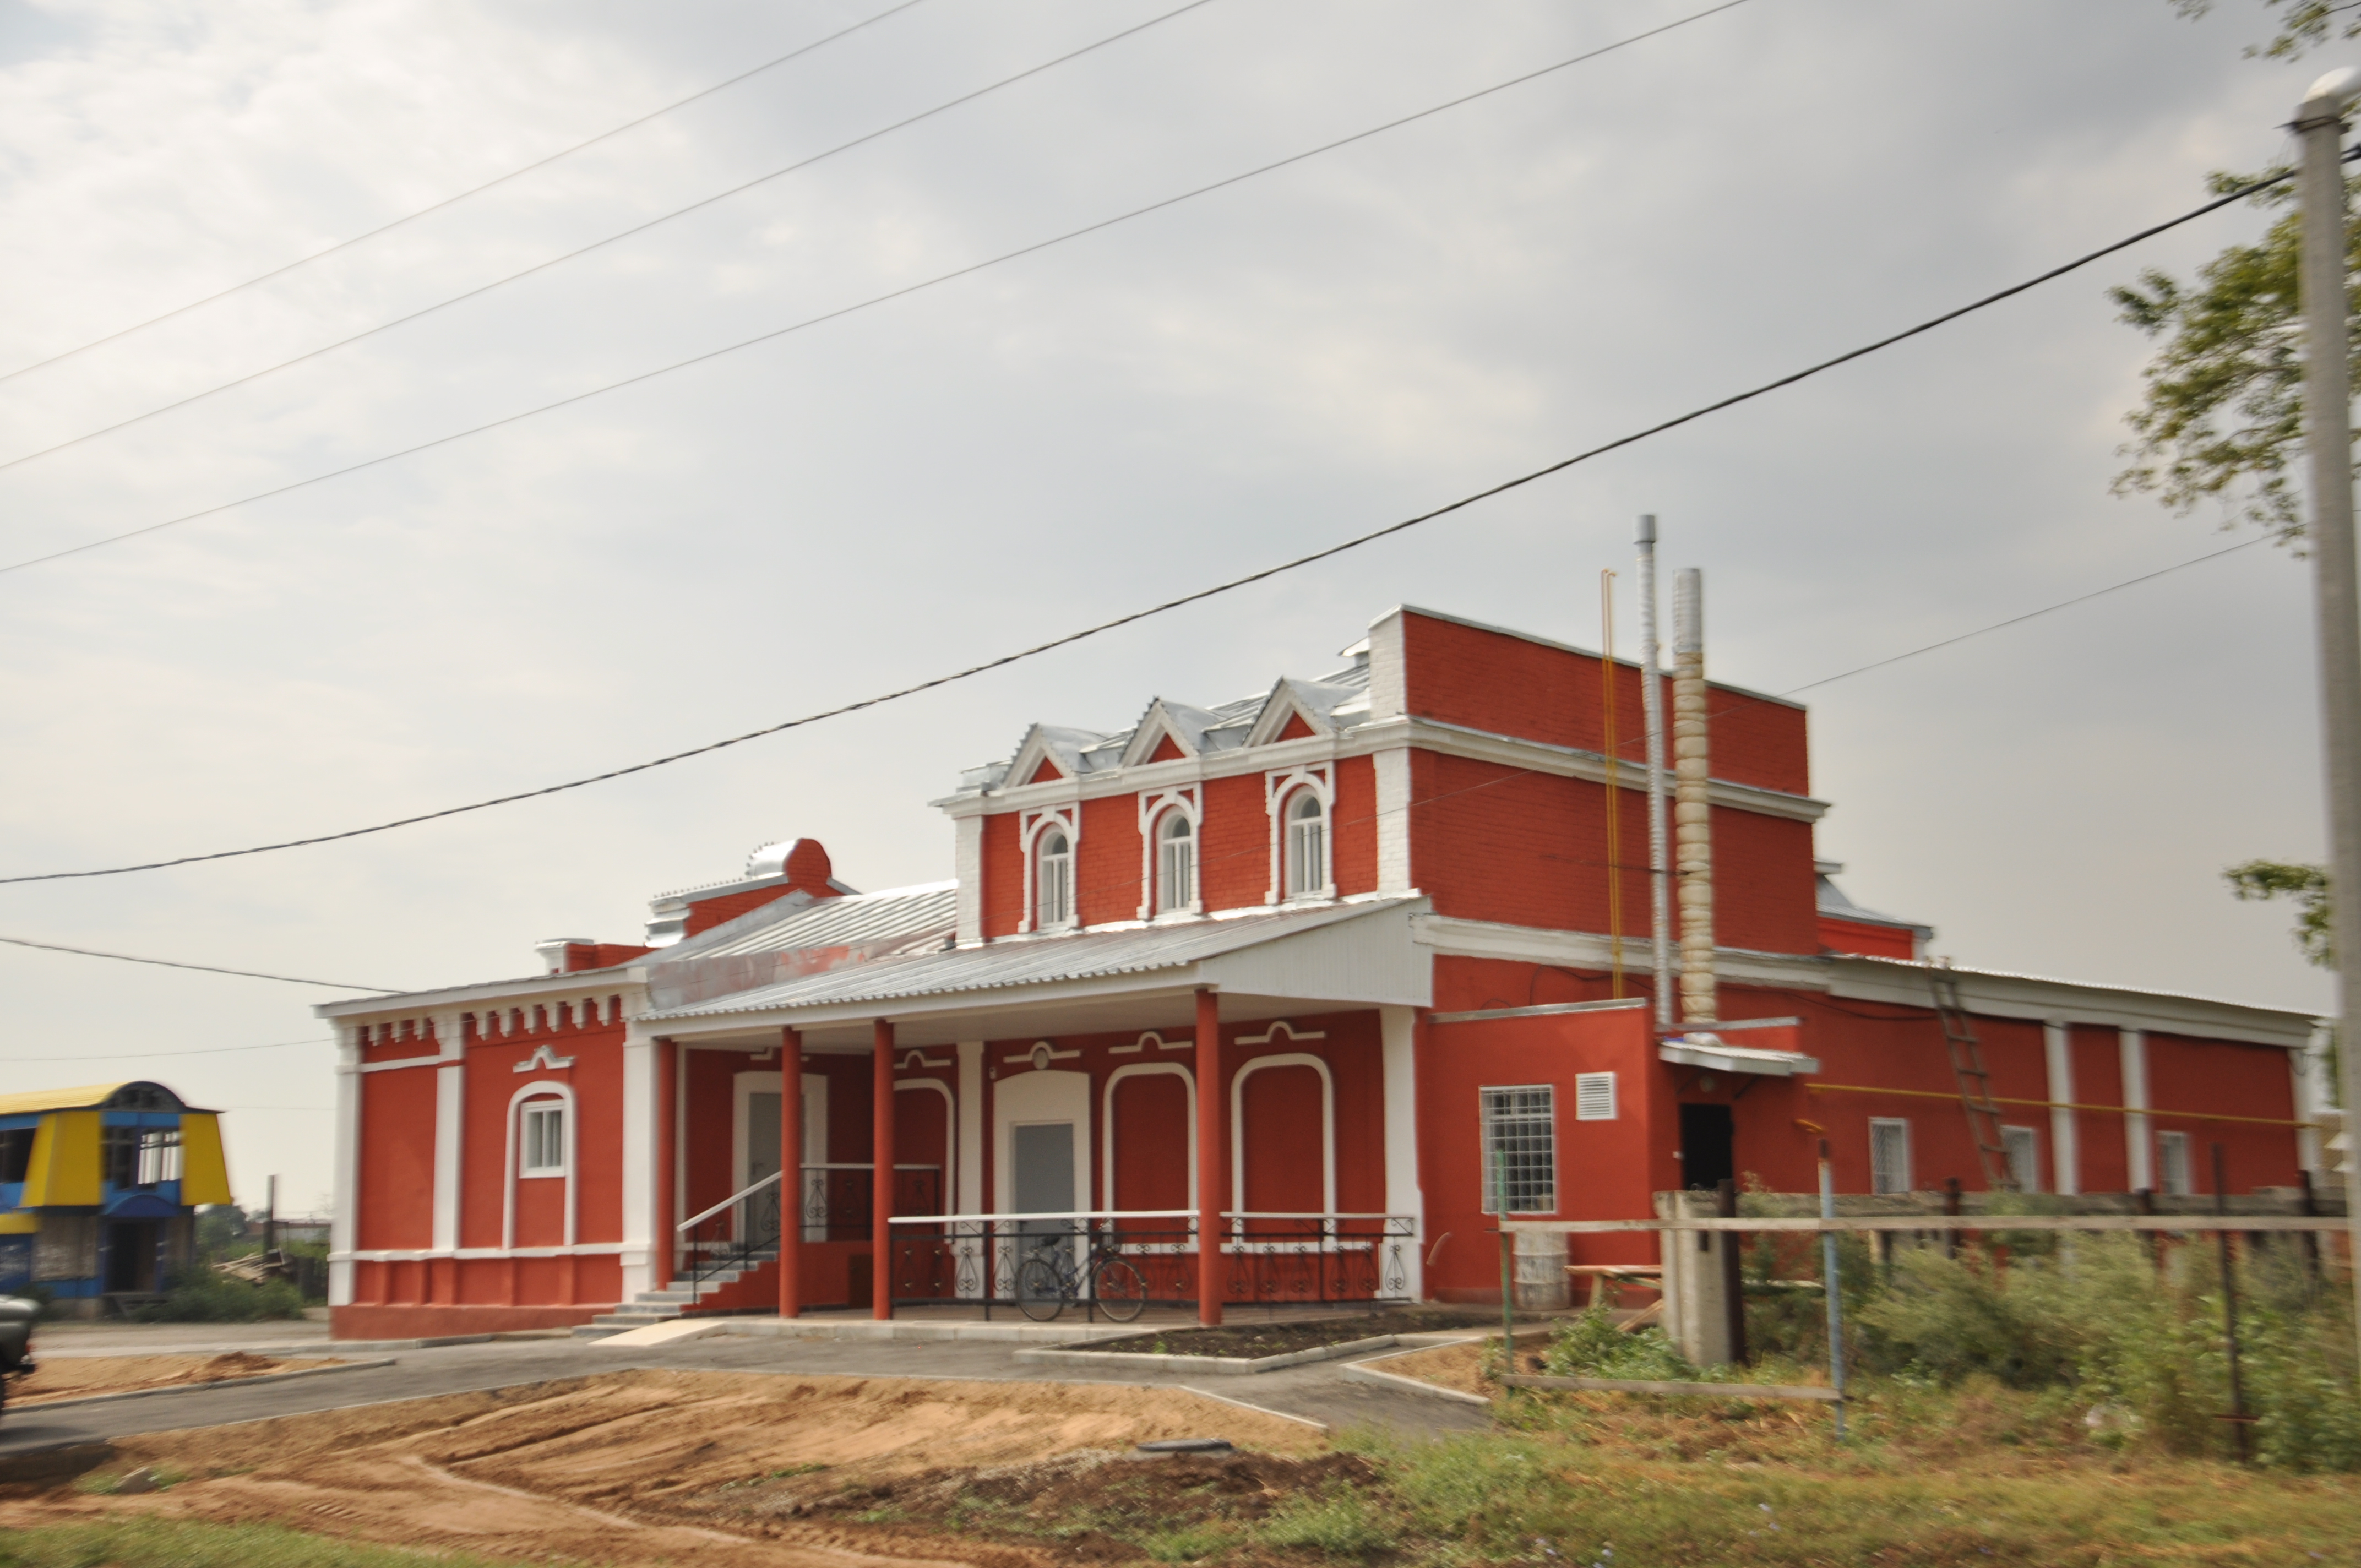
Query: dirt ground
x=645, y=1467
x=73, y=1377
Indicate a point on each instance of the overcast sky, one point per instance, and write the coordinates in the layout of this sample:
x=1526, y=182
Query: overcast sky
x=963, y=471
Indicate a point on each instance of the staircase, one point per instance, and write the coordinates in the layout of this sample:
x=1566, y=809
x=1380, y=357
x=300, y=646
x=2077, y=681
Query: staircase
x=754, y=1283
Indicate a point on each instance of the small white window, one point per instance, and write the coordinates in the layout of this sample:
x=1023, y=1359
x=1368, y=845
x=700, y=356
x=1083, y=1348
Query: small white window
x=1053, y=882
x=1520, y=1128
x=544, y=1139
x=1889, y=1154
x=1594, y=1097
x=159, y=1155
x=2023, y=1146
x=1176, y=863
x=2172, y=1164
x=1307, y=845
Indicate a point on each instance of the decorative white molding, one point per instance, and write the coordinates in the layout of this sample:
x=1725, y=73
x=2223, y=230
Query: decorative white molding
x=540, y=1088
x=1281, y=1029
x=1151, y=1038
x=1029, y=827
x=1327, y=1122
x=1040, y=1058
x=1279, y=788
x=544, y=1059
x=915, y=1058
x=1152, y=808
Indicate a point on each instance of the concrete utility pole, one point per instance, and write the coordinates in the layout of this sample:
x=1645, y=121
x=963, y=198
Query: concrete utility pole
x=1692, y=799
x=2328, y=434
x=1652, y=705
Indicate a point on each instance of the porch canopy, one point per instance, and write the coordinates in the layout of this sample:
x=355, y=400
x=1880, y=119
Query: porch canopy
x=1178, y=977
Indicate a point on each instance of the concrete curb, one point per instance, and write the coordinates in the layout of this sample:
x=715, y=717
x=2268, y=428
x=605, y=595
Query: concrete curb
x=1221, y=1366
x=900, y=1329
x=439, y=1341
x=1369, y=1372
x=22, y=1405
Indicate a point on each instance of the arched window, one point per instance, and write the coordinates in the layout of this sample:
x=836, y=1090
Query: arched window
x=1053, y=882
x=1176, y=863
x=1307, y=844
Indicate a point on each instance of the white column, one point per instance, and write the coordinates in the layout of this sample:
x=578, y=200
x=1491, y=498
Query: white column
x=2064, y=1152
x=2309, y=1068
x=968, y=864
x=343, y=1225
x=450, y=1127
x=1398, y=1032
x=640, y=1101
x=967, y=1197
x=1392, y=769
x=2139, y=1149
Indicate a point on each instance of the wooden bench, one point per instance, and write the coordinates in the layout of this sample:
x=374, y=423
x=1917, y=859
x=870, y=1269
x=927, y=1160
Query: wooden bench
x=1608, y=1279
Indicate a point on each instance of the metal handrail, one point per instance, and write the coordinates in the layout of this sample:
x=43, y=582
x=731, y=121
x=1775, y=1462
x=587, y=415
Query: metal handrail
x=734, y=1197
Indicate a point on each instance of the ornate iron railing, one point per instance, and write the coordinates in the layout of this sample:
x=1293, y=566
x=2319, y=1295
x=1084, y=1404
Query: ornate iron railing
x=1318, y=1259
x=740, y=1233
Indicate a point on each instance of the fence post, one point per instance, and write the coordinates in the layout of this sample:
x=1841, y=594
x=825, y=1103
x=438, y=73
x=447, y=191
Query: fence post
x=1833, y=1288
x=1733, y=1281
x=2239, y=1418
x=1508, y=1268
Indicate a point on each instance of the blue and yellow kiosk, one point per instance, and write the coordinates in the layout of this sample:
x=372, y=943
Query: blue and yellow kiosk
x=99, y=1190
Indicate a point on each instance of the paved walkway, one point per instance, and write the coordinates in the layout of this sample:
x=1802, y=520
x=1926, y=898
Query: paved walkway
x=1316, y=1391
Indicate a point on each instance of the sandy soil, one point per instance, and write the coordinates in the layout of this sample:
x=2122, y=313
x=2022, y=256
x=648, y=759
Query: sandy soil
x=636, y=1467
x=82, y=1374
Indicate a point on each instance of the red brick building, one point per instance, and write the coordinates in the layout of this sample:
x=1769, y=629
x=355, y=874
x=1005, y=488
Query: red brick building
x=1311, y=972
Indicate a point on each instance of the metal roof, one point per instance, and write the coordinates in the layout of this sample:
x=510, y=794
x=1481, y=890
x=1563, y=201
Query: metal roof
x=858, y=920
x=89, y=1097
x=1016, y=961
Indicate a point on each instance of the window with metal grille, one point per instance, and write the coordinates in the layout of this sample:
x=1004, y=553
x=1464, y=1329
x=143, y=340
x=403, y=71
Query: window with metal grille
x=1594, y=1097
x=1521, y=1149
x=1176, y=863
x=2172, y=1164
x=1307, y=844
x=544, y=1138
x=118, y=1154
x=159, y=1155
x=1053, y=882
x=1889, y=1154
x=17, y=1153
x=2023, y=1146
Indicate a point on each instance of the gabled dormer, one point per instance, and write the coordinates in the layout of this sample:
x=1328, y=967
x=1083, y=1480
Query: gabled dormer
x=1296, y=710
x=1169, y=732
x=1050, y=754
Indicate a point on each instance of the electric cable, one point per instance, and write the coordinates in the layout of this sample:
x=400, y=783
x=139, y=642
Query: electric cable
x=1168, y=604
x=173, y=963
x=193, y=1051
x=617, y=238
x=450, y=201
x=862, y=305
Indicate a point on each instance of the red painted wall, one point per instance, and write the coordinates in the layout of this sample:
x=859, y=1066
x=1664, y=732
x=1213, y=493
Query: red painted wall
x=1354, y=826
x=397, y=1164
x=1233, y=852
x=1106, y=871
x=1874, y=941
x=1004, y=875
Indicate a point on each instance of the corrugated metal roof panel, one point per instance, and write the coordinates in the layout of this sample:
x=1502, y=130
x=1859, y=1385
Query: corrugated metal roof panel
x=1000, y=964
x=857, y=921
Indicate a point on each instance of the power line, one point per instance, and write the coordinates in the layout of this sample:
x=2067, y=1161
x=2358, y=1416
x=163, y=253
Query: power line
x=172, y=963
x=865, y=304
x=1405, y=807
x=598, y=244
x=1172, y=604
x=449, y=201
x=145, y=1056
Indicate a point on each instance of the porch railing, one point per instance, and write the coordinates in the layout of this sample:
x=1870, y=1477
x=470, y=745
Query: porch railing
x=1271, y=1259
x=743, y=1231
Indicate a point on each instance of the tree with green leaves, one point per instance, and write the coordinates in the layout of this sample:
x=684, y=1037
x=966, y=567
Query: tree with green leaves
x=2304, y=25
x=2306, y=885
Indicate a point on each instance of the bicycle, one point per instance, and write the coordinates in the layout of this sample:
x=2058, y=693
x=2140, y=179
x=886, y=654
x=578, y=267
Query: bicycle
x=1047, y=1281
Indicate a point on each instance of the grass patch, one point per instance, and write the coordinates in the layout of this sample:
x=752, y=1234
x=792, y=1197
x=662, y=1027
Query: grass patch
x=1189, y=1543
x=160, y=1543
x=1342, y=1524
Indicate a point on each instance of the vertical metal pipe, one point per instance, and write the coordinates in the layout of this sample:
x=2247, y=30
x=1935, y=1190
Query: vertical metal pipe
x=1692, y=810
x=1614, y=815
x=881, y=1159
x=1833, y=1288
x=2327, y=418
x=1651, y=707
x=663, y=1246
x=791, y=1173
x=1212, y=1167
x=2229, y=1307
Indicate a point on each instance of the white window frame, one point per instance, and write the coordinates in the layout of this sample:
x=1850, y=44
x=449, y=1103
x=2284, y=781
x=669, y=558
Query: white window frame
x=1176, y=863
x=1279, y=791
x=535, y=1121
x=2025, y=1172
x=1306, y=861
x=1155, y=807
x=2176, y=1165
x=1594, y=1097
x=1033, y=827
x=1882, y=1174
x=157, y=1156
x=1536, y=1115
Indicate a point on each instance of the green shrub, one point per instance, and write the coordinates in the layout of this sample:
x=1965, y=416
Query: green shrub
x=1591, y=1345
x=1340, y=1524
x=201, y=1295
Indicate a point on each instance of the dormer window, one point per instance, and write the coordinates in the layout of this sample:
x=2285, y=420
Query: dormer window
x=1176, y=863
x=1053, y=882
x=1307, y=845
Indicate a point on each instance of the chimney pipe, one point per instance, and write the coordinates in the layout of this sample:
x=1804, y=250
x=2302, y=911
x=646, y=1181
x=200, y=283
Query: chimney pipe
x=1652, y=706
x=1692, y=813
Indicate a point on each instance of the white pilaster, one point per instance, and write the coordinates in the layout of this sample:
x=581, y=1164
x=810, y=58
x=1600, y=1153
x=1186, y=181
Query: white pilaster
x=1392, y=769
x=968, y=1193
x=2065, y=1151
x=2139, y=1149
x=450, y=1127
x=640, y=1101
x=1398, y=1033
x=2309, y=1068
x=967, y=862
x=343, y=1223
x=1388, y=672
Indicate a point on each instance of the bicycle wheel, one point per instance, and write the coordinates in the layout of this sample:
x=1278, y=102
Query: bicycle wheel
x=1120, y=1289
x=1040, y=1293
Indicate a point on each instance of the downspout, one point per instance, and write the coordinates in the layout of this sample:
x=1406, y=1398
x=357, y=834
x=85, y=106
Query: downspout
x=1692, y=818
x=1652, y=706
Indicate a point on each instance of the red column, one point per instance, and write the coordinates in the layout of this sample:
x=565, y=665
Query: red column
x=660, y=1246
x=1212, y=1165
x=791, y=1172
x=881, y=1242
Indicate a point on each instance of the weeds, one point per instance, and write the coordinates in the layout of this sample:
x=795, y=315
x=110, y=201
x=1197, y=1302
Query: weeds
x=201, y=1295
x=1186, y=1545
x=1341, y=1524
x=1591, y=1345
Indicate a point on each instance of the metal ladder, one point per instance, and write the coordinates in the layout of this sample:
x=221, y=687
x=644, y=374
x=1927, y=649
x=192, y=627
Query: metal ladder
x=1974, y=1079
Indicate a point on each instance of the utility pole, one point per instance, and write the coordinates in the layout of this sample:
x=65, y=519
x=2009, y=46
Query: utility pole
x=2328, y=435
x=1652, y=705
